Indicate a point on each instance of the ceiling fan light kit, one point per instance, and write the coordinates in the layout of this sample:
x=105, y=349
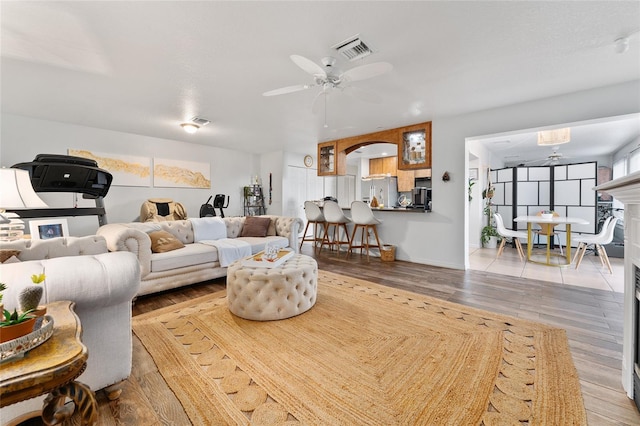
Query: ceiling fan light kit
x=554, y=137
x=190, y=128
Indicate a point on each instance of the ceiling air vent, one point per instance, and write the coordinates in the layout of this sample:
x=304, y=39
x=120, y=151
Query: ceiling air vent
x=200, y=121
x=353, y=48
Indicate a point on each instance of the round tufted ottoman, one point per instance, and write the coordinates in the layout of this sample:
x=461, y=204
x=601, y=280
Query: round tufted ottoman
x=265, y=294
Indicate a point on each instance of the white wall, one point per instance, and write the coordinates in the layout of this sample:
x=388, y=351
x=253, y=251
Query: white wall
x=23, y=138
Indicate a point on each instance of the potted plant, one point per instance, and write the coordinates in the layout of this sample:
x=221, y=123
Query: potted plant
x=14, y=325
x=489, y=234
x=30, y=296
x=3, y=287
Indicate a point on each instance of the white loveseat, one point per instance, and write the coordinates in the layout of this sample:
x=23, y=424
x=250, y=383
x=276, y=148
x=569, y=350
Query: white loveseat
x=101, y=284
x=195, y=262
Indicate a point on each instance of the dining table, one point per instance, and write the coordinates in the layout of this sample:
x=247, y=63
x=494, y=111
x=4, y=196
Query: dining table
x=555, y=220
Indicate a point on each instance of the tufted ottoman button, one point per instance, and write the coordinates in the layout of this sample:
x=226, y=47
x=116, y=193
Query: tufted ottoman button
x=265, y=294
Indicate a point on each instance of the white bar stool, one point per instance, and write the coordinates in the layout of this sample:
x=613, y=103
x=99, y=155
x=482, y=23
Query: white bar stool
x=315, y=217
x=363, y=219
x=334, y=216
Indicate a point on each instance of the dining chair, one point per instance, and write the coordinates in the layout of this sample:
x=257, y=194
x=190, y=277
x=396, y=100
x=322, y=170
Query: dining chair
x=598, y=241
x=508, y=233
x=363, y=219
x=314, y=217
x=547, y=230
x=334, y=217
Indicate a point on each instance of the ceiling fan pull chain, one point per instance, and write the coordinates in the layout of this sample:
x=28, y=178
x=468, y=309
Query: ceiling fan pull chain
x=325, y=111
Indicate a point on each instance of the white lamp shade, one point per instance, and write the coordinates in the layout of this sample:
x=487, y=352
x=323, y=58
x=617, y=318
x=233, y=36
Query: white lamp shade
x=554, y=137
x=16, y=191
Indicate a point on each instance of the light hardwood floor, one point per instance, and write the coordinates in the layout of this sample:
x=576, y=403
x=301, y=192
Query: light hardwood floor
x=592, y=318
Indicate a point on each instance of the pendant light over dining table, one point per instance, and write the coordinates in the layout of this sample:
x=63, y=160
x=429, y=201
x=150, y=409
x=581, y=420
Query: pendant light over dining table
x=554, y=137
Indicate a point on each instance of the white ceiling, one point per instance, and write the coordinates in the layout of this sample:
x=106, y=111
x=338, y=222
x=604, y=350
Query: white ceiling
x=144, y=67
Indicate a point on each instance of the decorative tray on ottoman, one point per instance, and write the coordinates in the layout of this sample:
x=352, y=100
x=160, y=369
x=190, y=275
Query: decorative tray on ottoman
x=258, y=260
x=22, y=345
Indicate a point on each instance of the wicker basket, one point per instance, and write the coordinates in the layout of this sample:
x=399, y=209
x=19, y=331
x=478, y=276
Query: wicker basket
x=388, y=253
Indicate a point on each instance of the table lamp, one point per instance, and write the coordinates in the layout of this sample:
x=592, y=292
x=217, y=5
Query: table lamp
x=16, y=192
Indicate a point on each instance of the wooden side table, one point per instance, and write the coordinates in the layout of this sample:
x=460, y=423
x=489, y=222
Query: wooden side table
x=52, y=368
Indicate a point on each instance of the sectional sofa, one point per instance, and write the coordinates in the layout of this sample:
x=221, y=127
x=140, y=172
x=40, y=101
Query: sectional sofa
x=195, y=258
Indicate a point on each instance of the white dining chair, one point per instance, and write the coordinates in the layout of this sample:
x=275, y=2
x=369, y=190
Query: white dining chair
x=314, y=217
x=334, y=217
x=508, y=233
x=598, y=241
x=363, y=219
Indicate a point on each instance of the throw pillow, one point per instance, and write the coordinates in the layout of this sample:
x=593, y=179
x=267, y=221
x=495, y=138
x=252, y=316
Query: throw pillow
x=272, y=228
x=163, y=241
x=6, y=254
x=255, y=226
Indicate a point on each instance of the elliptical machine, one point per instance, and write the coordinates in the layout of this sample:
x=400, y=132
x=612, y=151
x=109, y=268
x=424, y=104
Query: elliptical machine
x=208, y=210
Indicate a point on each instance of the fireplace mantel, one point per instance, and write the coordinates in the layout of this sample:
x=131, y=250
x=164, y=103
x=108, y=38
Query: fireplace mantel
x=627, y=190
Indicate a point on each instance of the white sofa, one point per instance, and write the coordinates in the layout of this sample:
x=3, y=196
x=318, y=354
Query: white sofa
x=101, y=284
x=195, y=262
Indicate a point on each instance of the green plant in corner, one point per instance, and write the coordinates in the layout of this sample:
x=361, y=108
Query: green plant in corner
x=488, y=230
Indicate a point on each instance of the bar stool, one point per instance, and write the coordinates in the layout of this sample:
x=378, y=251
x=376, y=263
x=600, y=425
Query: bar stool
x=314, y=216
x=364, y=220
x=334, y=216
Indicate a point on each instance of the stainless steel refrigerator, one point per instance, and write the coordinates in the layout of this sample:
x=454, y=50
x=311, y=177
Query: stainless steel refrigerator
x=385, y=189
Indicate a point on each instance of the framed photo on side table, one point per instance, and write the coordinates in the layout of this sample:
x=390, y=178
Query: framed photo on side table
x=49, y=228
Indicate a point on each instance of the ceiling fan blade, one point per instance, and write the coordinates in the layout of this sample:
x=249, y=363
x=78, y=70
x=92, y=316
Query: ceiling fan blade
x=308, y=65
x=288, y=89
x=364, y=72
x=363, y=95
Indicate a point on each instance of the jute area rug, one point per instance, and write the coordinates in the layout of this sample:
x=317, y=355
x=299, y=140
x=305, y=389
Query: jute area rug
x=363, y=355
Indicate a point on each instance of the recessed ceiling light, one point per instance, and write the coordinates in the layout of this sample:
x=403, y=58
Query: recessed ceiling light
x=190, y=127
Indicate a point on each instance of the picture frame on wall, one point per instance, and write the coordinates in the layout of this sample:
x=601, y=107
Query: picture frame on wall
x=49, y=228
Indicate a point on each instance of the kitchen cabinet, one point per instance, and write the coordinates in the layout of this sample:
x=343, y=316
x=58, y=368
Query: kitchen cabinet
x=383, y=166
x=331, y=162
x=414, y=147
x=406, y=180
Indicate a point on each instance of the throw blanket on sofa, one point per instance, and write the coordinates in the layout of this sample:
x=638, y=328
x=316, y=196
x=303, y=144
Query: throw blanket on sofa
x=229, y=249
x=208, y=228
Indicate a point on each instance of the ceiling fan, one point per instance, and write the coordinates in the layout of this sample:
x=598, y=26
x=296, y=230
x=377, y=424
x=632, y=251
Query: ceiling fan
x=329, y=78
x=552, y=159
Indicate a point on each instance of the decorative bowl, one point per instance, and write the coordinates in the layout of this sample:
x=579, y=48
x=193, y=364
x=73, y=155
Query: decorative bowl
x=547, y=216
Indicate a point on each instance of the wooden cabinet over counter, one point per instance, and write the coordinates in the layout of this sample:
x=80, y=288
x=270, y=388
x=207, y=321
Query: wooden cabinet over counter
x=414, y=148
x=383, y=166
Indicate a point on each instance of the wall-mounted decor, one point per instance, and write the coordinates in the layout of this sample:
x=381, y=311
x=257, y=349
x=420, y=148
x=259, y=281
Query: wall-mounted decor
x=127, y=170
x=181, y=174
x=49, y=228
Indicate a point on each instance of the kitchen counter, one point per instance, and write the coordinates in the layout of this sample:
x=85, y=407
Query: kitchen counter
x=395, y=209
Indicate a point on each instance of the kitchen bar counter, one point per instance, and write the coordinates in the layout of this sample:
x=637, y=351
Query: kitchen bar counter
x=391, y=209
